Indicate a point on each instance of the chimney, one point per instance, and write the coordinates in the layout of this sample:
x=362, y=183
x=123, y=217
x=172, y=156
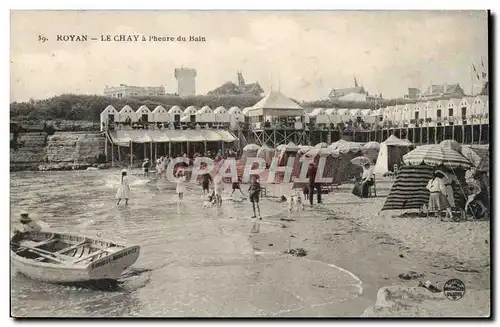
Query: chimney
x=430, y=92
x=445, y=87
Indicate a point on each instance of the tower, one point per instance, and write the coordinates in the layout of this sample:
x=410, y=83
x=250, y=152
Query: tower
x=241, y=80
x=186, y=81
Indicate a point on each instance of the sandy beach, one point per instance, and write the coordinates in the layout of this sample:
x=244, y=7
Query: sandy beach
x=377, y=247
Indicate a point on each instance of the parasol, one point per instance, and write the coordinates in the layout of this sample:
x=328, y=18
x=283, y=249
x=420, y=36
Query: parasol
x=251, y=147
x=361, y=161
x=451, y=144
x=322, y=152
x=372, y=145
x=435, y=155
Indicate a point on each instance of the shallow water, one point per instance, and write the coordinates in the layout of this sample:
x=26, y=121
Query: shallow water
x=193, y=262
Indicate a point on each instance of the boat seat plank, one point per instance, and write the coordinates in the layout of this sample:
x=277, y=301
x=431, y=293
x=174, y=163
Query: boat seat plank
x=98, y=252
x=52, y=240
x=62, y=251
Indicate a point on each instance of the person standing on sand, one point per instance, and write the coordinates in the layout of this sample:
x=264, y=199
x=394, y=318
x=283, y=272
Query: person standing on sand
x=124, y=189
x=206, y=179
x=180, y=180
x=145, y=167
x=311, y=174
x=437, y=199
x=254, y=192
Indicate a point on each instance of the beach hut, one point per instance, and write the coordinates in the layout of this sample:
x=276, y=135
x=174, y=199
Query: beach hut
x=127, y=112
x=144, y=114
x=161, y=115
x=318, y=116
x=367, y=116
x=266, y=153
x=221, y=115
x=371, y=150
x=344, y=115
x=286, y=151
x=345, y=170
x=205, y=115
x=175, y=113
x=235, y=116
x=389, y=114
x=355, y=114
x=108, y=115
x=391, y=154
x=333, y=115
x=430, y=112
x=189, y=112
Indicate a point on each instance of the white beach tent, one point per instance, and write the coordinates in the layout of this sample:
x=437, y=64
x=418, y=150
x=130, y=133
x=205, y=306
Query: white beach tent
x=221, y=115
x=391, y=153
x=127, y=112
x=205, y=115
x=144, y=111
x=161, y=115
x=109, y=113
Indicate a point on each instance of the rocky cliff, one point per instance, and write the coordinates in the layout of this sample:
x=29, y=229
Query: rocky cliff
x=28, y=151
x=61, y=151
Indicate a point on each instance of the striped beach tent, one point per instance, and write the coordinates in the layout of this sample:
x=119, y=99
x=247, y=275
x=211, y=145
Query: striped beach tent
x=409, y=190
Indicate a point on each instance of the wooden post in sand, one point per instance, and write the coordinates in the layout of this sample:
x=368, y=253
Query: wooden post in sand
x=131, y=156
x=106, y=146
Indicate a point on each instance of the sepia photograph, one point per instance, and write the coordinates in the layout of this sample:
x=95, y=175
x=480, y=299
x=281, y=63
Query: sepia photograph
x=250, y=164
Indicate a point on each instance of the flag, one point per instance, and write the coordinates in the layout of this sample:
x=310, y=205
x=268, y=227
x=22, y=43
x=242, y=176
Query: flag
x=355, y=82
x=482, y=63
x=474, y=67
x=484, y=75
x=477, y=75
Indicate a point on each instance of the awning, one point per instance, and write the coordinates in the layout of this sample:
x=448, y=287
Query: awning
x=175, y=135
x=193, y=135
x=139, y=136
x=120, y=138
x=211, y=135
x=226, y=136
x=158, y=136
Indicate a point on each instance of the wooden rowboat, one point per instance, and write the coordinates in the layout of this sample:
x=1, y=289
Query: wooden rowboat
x=65, y=258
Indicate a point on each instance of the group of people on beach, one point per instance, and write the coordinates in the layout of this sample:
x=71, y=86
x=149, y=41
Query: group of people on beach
x=473, y=194
x=214, y=196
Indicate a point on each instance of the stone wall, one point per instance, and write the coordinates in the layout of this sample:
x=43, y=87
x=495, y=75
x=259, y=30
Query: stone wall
x=61, y=151
x=30, y=152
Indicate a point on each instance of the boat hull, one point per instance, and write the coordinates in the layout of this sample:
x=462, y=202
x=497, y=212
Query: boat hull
x=51, y=273
x=66, y=258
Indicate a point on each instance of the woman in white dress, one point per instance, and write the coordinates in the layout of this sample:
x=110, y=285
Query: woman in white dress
x=124, y=188
x=181, y=187
x=437, y=199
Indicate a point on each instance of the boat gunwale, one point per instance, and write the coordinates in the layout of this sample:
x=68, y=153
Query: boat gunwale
x=68, y=264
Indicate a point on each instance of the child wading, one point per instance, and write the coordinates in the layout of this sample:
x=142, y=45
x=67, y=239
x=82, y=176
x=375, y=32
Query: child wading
x=180, y=184
x=124, y=189
x=254, y=192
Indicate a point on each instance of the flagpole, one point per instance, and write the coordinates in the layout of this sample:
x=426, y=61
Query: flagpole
x=471, y=82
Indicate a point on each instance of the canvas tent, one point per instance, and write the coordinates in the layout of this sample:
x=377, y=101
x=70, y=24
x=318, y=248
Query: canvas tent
x=277, y=105
x=391, y=153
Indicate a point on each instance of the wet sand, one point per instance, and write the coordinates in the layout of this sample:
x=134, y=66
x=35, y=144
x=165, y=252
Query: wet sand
x=353, y=234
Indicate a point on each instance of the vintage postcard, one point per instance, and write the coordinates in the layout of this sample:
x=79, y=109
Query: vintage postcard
x=250, y=164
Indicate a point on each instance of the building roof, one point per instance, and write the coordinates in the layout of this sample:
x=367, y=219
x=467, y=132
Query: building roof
x=442, y=89
x=336, y=93
x=276, y=100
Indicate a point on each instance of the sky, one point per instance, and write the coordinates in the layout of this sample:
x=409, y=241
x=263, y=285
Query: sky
x=303, y=54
